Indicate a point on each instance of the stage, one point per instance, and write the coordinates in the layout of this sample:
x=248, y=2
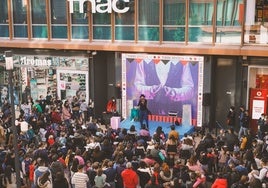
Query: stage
x=154, y=124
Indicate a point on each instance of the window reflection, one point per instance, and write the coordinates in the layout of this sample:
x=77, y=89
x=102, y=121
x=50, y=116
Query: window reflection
x=20, y=18
x=80, y=22
x=39, y=23
x=101, y=25
x=4, y=31
x=124, y=23
x=58, y=19
x=174, y=20
x=200, y=21
x=256, y=22
x=229, y=21
x=148, y=20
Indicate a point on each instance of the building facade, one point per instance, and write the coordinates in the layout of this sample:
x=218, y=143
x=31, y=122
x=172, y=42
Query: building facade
x=77, y=45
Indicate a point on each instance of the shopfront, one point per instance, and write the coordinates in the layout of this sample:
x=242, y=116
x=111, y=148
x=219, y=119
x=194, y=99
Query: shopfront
x=58, y=76
x=258, y=93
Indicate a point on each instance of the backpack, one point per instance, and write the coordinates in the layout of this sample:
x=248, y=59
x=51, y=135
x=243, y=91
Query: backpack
x=43, y=180
x=265, y=179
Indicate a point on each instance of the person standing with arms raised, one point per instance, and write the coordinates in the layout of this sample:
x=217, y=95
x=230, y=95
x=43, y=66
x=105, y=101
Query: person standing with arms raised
x=143, y=111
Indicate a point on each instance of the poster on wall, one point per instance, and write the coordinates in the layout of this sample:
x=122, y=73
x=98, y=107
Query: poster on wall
x=4, y=94
x=169, y=82
x=72, y=83
x=257, y=108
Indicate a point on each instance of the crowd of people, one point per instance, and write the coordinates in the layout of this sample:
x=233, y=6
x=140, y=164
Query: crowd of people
x=60, y=145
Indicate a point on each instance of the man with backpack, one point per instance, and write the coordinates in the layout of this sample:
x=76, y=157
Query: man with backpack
x=41, y=171
x=263, y=176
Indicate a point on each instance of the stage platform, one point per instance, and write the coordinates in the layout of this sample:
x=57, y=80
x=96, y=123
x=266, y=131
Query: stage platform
x=154, y=124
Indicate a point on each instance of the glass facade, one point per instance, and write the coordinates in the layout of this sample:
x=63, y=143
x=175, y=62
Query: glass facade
x=146, y=20
x=102, y=25
x=4, y=30
x=200, y=21
x=229, y=21
x=124, y=22
x=79, y=22
x=58, y=19
x=39, y=19
x=174, y=20
x=20, y=18
x=256, y=22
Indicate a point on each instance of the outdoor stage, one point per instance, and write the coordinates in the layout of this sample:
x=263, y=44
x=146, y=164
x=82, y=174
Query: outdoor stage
x=154, y=124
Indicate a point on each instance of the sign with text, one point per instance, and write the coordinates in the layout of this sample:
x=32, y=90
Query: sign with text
x=100, y=7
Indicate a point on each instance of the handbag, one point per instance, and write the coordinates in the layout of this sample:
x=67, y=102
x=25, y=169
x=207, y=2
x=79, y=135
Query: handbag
x=161, y=155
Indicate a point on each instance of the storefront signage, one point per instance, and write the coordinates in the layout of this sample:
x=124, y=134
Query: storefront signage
x=35, y=62
x=100, y=7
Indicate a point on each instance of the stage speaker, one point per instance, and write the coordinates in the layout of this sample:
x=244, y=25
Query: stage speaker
x=118, y=92
x=206, y=99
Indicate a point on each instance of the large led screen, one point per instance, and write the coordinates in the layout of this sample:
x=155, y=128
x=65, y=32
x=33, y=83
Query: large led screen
x=170, y=83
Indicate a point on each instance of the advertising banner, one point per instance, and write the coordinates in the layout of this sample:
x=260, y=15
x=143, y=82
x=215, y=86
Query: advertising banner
x=168, y=82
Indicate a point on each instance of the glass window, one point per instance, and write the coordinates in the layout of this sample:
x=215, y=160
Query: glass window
x=58, y=19
x=20, y=18
x=4, y=31
x=200, y=21
x=39, y=22
x=229, y=21
x=174, y=20
x=256, y=22
x=80, y=22
x=148, y=21
x=101, y=24
x=124, y=22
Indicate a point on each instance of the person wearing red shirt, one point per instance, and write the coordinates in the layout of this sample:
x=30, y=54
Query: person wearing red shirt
x=130, y=177
x=111, y=106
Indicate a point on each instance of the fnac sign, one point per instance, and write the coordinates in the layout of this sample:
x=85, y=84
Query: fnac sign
x=100, y=7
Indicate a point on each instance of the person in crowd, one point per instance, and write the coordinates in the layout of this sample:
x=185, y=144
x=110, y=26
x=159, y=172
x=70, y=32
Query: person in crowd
x=173, y=132
x=159, y=135
x=144, y=172
x=66, y=114
x=111, y=106
x=25, y=166
x=166, y=174
x=100, y=179
x=129, y=176
x=42, y=174
x=171, y=149
x=83, y=109
x=80, y=179
x=110, y=173
x=220, y=181
x=60, y=181
x=152, y=183
x=231, y=140
x=144, y=111
x=261, y=126
x=144, y=133
x=231, y=117
x=263, y=171
x=243, y=122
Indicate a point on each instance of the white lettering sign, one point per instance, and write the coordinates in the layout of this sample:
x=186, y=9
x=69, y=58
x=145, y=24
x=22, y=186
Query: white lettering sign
x=35, y=62
x=97, y=6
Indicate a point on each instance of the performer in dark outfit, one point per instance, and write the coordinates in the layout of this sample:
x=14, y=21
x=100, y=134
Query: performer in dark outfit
x=143, y=110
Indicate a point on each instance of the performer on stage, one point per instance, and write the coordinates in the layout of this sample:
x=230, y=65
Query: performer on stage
x=143, y=110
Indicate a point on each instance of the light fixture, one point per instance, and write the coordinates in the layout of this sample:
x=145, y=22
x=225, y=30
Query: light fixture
x=94, y=53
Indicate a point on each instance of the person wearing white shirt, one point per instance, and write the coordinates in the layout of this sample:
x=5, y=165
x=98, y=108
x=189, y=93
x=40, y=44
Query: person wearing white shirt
x=80, y=179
